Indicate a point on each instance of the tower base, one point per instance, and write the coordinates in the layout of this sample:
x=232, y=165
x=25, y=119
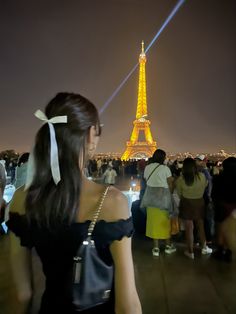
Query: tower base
x=139, y=150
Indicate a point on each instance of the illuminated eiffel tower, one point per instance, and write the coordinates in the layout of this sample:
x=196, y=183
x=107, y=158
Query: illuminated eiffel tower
x=136, y=148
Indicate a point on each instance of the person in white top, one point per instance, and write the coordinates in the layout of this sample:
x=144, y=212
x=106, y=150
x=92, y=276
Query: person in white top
x=158, y=177
x=110, y=176
x=99, y=165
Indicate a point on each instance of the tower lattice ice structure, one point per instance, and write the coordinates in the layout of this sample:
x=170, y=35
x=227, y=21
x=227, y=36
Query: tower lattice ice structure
x=136, y=148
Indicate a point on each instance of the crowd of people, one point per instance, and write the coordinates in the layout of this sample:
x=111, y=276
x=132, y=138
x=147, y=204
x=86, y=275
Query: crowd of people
x=190, y=179
x=204, y=186
x=195, y=184
x=200, y=199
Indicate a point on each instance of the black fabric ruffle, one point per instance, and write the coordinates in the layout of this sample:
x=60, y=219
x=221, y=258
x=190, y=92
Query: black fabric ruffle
x=104, y=233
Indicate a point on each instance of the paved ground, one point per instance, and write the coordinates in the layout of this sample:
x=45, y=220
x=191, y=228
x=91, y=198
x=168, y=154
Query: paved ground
x=166, y=285
x=176, y=285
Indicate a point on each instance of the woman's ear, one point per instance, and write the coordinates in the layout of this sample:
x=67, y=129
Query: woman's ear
x=92, y=141
x=91, y=136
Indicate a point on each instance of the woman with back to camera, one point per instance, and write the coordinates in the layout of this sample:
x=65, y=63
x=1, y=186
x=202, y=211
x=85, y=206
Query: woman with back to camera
x=59, y=207
x=190, y=187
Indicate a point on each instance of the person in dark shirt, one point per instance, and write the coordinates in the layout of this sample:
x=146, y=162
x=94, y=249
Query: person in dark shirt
x=52, y=212
x=224, y=200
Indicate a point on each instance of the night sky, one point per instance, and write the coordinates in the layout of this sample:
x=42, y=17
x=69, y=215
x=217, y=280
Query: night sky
x=88, y=47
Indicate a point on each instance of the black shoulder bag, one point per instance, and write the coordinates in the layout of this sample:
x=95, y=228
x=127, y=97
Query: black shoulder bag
x=92, y=277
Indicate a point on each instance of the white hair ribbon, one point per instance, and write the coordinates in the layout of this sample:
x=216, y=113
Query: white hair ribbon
x=54, y=159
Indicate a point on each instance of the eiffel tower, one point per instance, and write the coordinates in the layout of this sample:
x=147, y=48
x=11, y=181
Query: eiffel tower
x=136, y=148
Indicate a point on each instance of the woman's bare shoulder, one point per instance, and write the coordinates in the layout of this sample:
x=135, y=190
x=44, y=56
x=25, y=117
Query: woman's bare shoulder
x=115, y=205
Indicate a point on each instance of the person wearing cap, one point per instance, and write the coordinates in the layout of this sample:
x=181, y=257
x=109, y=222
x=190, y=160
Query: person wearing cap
x=201, y=161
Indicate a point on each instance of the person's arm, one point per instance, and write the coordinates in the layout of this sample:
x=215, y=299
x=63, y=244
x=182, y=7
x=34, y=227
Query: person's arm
x=178, y=186
x=205, y=181
x=170, y=181
x=126, y=297
x=145, y=173
x=21, y=264
x=20, y=257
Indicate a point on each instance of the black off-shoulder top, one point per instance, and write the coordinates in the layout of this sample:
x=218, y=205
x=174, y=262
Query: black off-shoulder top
x=56, y=251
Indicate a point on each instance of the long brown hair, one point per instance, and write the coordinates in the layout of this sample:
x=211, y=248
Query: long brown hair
x=190, y=171
x=46, y=203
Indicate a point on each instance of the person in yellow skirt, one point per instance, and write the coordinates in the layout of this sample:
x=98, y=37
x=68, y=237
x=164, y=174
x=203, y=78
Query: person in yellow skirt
x=158, y=198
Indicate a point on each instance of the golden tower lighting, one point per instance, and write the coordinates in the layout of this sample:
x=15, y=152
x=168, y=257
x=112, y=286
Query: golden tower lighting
x=134, y=147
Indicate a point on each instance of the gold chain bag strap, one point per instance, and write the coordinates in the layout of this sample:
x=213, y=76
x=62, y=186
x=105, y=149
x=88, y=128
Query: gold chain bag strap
x=92, y=277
